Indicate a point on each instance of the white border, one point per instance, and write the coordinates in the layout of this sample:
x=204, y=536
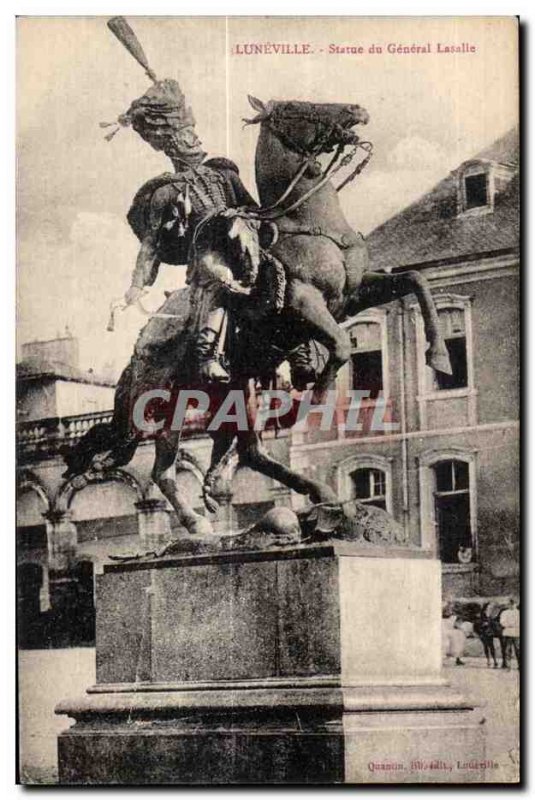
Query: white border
x=7, y=350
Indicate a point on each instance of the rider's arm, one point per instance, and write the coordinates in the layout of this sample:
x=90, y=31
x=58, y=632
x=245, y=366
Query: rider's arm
x=146, y=269
x=147, y=261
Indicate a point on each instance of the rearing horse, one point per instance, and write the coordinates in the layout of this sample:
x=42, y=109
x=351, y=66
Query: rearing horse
x=326, y=262
x=326, y=279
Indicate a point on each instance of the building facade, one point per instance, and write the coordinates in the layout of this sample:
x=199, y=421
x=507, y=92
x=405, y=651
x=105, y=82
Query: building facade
x=446, y=464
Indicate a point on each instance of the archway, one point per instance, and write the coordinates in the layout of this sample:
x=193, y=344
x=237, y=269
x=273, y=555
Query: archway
x=33, y=597
x=105, y=516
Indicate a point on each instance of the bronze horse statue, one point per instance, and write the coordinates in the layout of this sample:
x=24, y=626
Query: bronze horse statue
x=323, y=277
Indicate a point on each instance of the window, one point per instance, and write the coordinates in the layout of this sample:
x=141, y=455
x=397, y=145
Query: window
x=370, y=486
x=476, y=190
x=476, y=187
x=452, y=511
x=440, y=393
x=366, y=478
x=452, y=323
x=367, y=358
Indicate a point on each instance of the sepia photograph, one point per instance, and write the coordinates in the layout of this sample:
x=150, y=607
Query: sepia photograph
x=267, y=400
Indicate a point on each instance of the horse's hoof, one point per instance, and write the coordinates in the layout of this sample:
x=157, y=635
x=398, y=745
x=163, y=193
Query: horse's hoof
x=211, y=503
x=439, y=360
x=201, y=527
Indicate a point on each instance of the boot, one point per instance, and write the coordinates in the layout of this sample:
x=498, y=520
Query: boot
x=209, y=367
x=301, y=368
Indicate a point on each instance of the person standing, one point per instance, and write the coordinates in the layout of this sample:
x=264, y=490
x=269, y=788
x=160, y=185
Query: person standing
x=486, y=628
x=453, y=635
x=510, y=621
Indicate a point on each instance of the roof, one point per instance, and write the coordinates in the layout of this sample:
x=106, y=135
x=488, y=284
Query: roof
x=430, y=229
x=34, y=368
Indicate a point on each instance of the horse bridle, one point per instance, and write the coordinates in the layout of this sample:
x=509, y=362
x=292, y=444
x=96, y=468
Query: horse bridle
x=275, y=119
x=309, y=155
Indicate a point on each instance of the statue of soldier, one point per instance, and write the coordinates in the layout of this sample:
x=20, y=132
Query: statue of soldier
x=169, y=210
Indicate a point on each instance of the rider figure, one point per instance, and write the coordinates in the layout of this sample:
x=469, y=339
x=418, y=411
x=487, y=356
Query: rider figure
x=167, y=210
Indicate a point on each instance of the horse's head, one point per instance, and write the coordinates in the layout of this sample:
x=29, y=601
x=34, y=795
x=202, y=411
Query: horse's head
x=310, y=128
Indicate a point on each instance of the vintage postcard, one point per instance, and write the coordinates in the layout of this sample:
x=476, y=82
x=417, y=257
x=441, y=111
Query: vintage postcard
x=267, y=400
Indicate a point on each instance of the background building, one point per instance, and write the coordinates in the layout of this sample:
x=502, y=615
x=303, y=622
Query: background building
x=450, y=473
x=449, y=470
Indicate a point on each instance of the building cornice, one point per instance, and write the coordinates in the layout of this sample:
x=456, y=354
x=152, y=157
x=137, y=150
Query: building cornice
x=509, y=256
x=398, y=437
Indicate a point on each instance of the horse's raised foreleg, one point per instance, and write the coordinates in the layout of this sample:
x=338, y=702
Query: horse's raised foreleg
x=252, y=454
x=164, y=476
x=308, y=304
x=378, y=288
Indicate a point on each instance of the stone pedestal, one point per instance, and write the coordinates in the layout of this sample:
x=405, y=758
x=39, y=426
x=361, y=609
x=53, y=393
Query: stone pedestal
x=317, y=664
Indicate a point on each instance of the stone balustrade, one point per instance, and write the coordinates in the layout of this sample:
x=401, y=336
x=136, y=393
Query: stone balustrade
x=42, y=438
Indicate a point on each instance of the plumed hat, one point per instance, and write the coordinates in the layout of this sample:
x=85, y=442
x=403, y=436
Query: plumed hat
x=158, y=113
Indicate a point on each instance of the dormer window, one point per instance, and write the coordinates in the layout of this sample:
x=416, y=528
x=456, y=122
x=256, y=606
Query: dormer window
x=476, y=190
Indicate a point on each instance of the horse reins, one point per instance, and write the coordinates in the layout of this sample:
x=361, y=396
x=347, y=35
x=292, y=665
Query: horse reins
x=274, y=211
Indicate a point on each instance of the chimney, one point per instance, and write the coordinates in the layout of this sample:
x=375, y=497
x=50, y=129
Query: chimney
x=64, y=350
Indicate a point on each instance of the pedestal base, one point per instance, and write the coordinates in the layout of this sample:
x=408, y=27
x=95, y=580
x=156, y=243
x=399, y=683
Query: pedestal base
x=311, y=665
x=300, y=734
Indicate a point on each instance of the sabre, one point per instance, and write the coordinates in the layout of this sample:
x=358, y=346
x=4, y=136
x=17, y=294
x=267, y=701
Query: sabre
x=122, y=30
x=120, y=305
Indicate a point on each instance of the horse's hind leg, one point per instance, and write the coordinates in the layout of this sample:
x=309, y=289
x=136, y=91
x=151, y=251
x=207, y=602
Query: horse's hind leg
x=307, y=303
x=252, y=454
x=378, y=288
x=164, y=476
x=222, y=452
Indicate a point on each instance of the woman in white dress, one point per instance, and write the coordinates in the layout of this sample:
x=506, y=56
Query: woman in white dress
x=453, y=635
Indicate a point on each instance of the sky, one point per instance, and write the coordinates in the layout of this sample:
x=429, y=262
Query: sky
x=75, y=250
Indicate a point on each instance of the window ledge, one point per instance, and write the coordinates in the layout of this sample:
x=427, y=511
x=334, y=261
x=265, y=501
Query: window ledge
x=455, y=568
x=477, y=211
x=448, y=394
x=365, y=402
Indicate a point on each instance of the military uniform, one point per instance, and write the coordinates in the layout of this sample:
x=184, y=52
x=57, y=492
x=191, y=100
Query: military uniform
x=168, y=212
x=170, y=209
x=209, y=189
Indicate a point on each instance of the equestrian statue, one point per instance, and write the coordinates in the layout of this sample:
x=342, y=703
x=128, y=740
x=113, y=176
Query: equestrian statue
x=265, y=282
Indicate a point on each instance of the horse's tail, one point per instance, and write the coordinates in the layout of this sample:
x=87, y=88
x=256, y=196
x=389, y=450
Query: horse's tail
x=159, y=350
x=98, y=439
x=114, y=436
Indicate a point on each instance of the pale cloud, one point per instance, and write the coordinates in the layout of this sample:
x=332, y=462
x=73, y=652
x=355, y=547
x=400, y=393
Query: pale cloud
x=89, y=226
x=383, y=193
x=417, y=153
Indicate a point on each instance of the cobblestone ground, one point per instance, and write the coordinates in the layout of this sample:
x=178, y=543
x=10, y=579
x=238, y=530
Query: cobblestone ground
x=48, y=676
x=498, y=691
x=45, y=678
